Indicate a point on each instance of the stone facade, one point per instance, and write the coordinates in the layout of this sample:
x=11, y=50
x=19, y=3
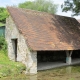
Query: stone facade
x=22, y=54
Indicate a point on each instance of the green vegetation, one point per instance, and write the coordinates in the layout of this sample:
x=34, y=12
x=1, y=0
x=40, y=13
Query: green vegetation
x=71, y=5
x=40, y=5
x=3, y=14
x=1, y=24
x=3, y=43
x=7, y=67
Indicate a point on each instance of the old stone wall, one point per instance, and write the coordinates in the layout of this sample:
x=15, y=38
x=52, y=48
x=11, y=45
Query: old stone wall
x=24, y=55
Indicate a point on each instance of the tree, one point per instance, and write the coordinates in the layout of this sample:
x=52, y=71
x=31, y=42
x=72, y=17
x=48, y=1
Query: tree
x=3, y=14
x=40, y=5
x=71, y=5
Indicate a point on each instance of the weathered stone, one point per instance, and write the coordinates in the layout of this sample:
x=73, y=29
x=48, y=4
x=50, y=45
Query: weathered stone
x=24, y=55
x=68, y=60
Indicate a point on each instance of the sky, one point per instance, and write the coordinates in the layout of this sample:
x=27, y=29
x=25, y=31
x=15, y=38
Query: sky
x=4, y=3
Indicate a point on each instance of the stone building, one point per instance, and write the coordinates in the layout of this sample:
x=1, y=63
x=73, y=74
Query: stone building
x=30, y=32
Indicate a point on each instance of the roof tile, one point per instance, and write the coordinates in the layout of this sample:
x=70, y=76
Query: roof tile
x=44, y=31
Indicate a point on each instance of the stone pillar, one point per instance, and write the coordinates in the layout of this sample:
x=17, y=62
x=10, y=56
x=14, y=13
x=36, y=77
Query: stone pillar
x=68, y=57
x=31, y=63
x=68, y=60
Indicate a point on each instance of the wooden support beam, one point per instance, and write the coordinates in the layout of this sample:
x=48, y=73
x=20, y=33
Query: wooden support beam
x=69, y=53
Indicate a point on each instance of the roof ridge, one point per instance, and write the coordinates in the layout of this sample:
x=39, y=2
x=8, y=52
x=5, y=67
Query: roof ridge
x=37, y=12
x=30, y=10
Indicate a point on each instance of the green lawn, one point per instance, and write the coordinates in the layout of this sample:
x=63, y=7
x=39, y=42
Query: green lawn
x=9, y=68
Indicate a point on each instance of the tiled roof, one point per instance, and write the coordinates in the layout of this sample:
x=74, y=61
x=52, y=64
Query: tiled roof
x=44, y=31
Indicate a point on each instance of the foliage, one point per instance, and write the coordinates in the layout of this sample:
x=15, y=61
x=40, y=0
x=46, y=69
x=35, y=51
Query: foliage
x=3, y=43
x=9, y=68
x=3, y=14
x=40, y=5
x=71, y=5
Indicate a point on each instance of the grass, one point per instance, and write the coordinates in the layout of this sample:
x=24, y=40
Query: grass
x=9, y=68
x=1, y=24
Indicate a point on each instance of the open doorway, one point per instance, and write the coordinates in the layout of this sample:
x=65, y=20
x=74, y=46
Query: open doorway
x=53, y=59
x=50, y=59
x=14, y=43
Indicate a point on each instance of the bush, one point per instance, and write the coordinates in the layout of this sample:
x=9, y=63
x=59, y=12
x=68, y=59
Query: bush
x=3, y=43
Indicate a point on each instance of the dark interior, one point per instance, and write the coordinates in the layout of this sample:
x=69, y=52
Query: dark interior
x=54, y=56
x=14, y=42
x=51, y=56
x=76, y=54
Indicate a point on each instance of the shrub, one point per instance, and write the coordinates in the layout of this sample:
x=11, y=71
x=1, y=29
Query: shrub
x=3, y=44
